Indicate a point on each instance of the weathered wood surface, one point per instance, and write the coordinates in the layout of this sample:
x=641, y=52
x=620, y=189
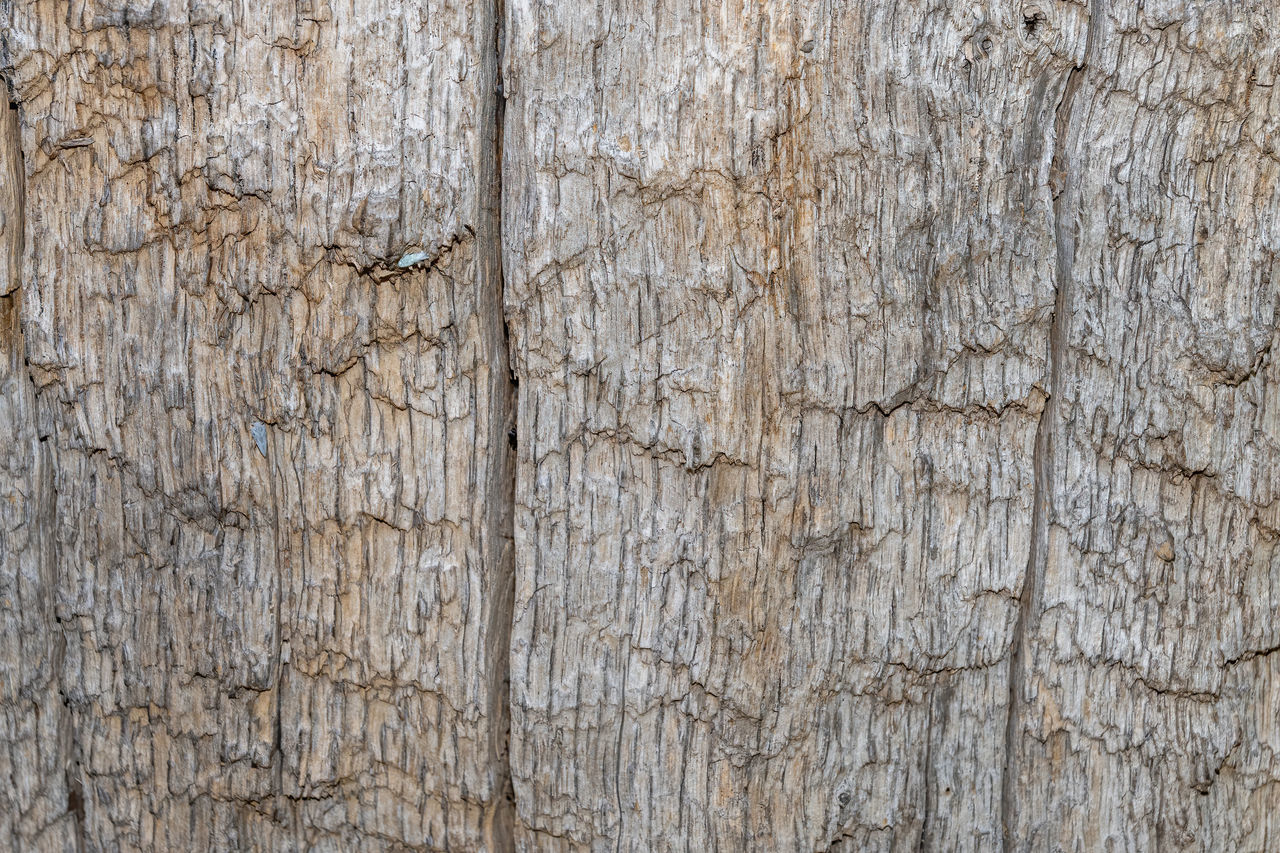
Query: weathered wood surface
x=896, y=448
x=281, y=640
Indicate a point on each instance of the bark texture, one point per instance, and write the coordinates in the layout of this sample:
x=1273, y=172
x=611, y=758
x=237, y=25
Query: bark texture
x=895, y=462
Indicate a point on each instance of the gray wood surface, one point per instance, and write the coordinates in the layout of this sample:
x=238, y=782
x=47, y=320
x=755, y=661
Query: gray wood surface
x=628, y=425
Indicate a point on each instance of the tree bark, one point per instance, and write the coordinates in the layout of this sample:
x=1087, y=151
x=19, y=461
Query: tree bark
x=619, y=425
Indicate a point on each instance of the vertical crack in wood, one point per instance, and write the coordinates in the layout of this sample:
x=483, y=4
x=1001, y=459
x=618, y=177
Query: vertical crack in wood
x=1064, y=183
x=499, y=534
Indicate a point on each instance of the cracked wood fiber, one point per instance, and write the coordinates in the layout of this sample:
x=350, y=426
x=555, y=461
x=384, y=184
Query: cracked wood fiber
x=260, y=493
x=895, y=462
x=898, y=462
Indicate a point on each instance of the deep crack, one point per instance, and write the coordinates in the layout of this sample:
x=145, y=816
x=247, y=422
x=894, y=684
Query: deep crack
x=499, y=533
x=1065, y=190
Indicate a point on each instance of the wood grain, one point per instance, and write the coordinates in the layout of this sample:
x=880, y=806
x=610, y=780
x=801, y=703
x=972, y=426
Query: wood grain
x=618, y=425
x=283, y=641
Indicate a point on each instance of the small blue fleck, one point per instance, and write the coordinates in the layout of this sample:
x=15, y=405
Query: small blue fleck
x=411, y=259
x=259, y=432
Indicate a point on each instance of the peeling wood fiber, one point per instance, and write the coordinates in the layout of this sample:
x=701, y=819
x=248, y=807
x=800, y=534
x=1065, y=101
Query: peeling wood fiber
x=617, y=425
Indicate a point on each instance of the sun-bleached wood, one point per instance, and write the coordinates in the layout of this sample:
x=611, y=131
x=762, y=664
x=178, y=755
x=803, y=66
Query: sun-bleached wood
x=898, y=462
x=263, y=460
x=844, y=425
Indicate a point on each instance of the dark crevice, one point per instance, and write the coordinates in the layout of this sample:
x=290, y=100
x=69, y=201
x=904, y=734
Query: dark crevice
x=499, y=534
x=1064, y=185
